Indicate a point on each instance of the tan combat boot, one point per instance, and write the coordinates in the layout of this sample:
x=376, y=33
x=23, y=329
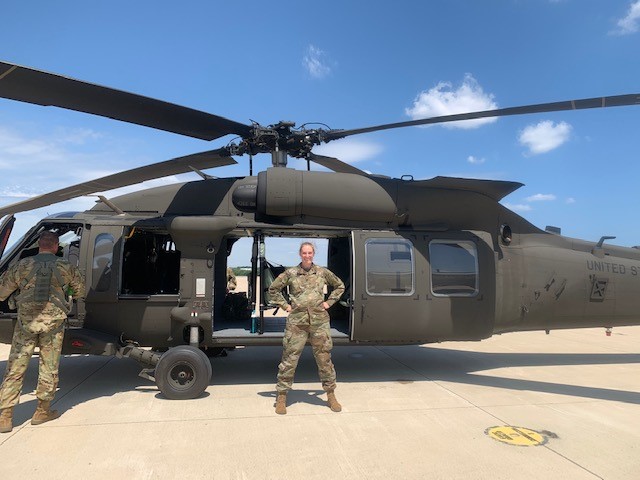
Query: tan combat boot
x=281, y=404
x=44, y=413
x=333, y=403
x=6, y=420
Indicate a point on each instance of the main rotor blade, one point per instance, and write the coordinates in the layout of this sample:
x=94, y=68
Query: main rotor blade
x=598, y=102
x=48, y=89
x=203, y=160
x=335, y=164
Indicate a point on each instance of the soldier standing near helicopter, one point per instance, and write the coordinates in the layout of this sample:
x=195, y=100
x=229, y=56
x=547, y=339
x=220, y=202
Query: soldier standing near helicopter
x=232, y=282
x=42, y=281
x=308, y=318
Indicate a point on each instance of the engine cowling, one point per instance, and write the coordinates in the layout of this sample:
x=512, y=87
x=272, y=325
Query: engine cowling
x=284, y=192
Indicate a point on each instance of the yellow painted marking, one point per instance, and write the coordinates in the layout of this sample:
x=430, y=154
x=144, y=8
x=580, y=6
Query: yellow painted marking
x=518, y=436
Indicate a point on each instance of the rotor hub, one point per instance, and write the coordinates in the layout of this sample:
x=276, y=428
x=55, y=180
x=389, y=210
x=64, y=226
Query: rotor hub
x=279, y=139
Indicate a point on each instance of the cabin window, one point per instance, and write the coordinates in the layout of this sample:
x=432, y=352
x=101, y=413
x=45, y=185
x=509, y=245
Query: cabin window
x=454, y=268
x=150, y=264
x=102, y=261
x=389, y=266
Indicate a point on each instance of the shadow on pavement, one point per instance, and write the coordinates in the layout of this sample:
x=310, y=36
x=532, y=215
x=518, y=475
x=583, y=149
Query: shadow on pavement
x=92, y=377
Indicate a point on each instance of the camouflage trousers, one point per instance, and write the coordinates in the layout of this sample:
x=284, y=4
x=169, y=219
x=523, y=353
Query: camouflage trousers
x=295, y=338
x=22, y=347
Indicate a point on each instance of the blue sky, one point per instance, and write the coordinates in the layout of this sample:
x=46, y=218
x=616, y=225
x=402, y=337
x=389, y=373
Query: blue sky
x=347, y=64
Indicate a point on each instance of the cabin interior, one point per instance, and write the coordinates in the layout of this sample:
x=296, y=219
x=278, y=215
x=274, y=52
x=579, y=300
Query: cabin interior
x=151, y=266
x=332, y=252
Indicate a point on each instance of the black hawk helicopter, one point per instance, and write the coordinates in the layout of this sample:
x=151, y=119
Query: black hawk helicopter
x=423, y=261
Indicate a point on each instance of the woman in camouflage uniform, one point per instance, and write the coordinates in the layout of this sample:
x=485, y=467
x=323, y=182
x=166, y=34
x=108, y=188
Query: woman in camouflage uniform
x=308, y=319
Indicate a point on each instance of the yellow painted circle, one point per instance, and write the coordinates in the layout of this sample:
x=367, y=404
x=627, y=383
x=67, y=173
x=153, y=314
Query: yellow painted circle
x=518, y=436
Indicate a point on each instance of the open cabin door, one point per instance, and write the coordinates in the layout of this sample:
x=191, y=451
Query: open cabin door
x=5, y=232
x=7, y=318
x=422, y=287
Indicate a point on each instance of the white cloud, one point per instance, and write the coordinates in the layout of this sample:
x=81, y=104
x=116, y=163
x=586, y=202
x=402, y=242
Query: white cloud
x=32, y=166
x=15, y=191
x=349, y=150
x=43, y=156
x=518, y=207
x=630, y=22
x=76, y=136
x=526, y=207
x=317, y=62
x=570, y=200
x=443, y=100
x=544, y=136
x=541, y=197
x=475, y=160
x=15, y=150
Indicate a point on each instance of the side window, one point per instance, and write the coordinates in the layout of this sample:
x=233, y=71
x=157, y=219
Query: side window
x=102, y=261
x=454, y=268
x=150, y=264
x=389, y=265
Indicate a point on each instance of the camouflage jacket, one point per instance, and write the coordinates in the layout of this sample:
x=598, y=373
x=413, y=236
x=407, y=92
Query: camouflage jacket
x=41, y=317
x=232, y=283
x=306, y=289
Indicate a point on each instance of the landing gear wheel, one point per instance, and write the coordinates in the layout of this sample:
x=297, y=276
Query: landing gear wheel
x=183, y=372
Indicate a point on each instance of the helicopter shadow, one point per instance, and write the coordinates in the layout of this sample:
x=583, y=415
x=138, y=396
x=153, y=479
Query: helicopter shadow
x=464, y=367
x=84, y=378
x=409, y=364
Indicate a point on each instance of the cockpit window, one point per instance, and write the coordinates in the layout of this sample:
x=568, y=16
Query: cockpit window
x=27, y=246
x=102, y=261
x=69, y=246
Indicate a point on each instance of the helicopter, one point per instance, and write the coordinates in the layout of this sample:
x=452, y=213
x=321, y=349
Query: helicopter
x=423, y=261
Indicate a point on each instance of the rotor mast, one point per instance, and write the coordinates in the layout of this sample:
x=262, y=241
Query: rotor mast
x=279, y=158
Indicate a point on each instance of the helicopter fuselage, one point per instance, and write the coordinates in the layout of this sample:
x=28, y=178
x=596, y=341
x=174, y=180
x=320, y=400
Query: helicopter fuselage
x=423, y=261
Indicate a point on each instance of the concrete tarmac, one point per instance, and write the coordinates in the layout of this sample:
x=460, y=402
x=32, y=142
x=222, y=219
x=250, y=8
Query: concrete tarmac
x=413, y=412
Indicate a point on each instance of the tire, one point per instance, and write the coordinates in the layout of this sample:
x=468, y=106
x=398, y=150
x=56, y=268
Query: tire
x=183, y=372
